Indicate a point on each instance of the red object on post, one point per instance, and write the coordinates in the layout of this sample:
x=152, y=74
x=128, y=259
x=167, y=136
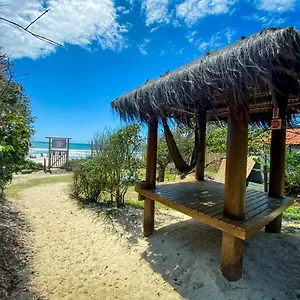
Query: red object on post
x=276, y=124
x=275, y=113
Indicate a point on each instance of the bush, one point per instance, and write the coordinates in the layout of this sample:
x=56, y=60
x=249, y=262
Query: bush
x=115, y=167
x=89, y=180
x=71, y=164
x=15, y=125
x=292, y=173
x=31, y=165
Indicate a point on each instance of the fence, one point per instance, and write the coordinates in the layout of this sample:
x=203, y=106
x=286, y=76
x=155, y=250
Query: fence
x=213, y=161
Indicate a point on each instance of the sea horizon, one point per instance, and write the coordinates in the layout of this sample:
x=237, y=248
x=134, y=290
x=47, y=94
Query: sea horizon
x=77, y=150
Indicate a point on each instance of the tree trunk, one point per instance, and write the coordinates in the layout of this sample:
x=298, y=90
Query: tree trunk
x=161, y=174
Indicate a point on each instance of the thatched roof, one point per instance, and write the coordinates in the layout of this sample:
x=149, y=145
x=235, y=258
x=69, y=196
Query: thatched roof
x=244, y=73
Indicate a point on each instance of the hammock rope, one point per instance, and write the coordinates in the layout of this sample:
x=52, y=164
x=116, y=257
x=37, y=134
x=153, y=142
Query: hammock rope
x=178, y=160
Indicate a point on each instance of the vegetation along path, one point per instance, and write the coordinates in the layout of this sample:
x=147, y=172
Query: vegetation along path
x=81, y=253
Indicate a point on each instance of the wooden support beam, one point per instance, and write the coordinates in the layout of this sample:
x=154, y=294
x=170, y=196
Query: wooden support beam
x=232, y=257
x=235, y=190
x=277, y=154
x=277, y=160
x=150, y=175
x=236, y=164
x=200, y=163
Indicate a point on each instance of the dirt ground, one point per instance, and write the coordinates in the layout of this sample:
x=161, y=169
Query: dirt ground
x=60, y=250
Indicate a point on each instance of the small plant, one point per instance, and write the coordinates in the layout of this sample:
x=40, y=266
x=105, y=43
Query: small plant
x=31, y=165
x=292, y=213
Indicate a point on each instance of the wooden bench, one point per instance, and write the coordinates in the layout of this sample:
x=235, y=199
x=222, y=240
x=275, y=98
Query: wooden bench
x=205, y=201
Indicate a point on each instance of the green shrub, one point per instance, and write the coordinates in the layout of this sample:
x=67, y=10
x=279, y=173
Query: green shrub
x=15, y=125
x=107, y=176
x=71, y=164
x=292, y=173
x=31, y=165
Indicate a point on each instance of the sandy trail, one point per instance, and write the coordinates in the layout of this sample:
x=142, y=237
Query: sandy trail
x=78, y=254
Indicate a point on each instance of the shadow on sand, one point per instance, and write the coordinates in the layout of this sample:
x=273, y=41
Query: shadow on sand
x=15, y=272
x=187, y=255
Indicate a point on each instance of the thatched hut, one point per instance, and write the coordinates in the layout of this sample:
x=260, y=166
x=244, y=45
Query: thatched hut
x=255, y=80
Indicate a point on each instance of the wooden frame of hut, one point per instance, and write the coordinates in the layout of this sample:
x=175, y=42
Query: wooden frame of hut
x=239, y=84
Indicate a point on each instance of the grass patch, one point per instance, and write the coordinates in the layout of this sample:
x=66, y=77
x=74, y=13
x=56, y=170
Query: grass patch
x=292, y=213
x=14, y=190
x=135, y=204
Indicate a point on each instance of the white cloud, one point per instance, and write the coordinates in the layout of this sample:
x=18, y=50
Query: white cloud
x=193, y=10
x=266, y=20
x=276, y=5
x=229, y=33
x=163, y=52
x=191, y=36
x=76, y=22
x=221, y=38
x=143, y=46
x=156, y=11
x=123, y=10
x=153, y=29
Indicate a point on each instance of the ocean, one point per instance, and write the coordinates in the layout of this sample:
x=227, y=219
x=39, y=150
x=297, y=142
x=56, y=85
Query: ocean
x=76, y=150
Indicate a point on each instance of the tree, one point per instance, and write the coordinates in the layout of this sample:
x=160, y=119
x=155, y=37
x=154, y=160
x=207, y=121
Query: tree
x=122, y=153
x=15, y=125
x=216, y=139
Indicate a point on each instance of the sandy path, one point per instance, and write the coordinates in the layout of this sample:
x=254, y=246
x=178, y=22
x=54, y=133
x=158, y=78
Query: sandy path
x=79, y=255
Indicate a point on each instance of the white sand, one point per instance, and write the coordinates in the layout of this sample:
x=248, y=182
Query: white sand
x=77, y=254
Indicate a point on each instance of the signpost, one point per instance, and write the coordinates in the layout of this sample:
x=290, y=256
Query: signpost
x=58, y=153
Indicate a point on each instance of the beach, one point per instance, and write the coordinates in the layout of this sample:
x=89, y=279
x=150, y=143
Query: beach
x=39, y=150
x=81, y=253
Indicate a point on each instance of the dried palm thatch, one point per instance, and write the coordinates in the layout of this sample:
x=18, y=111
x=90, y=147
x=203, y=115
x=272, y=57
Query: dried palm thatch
x=245, y=73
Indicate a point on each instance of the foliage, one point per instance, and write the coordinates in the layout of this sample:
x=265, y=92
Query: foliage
x=113, y=168
x=292, y=173
x=15, y=126
x=71, y=164
x=216, y=139
x=184, y=138
x=292, y=213
x=31, y=165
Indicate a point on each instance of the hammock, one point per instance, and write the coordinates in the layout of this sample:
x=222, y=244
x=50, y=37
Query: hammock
x=179, y=162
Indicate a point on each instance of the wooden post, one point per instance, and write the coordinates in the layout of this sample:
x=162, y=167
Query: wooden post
x=232, y=257
x=150, y=175
x=49, y=154
x=200, y=163
x=265, y=176
x=235, y=190
x=277, y=161
x=236, y=164
x=68, y=150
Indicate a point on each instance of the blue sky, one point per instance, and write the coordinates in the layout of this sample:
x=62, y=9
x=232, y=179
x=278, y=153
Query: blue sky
x=111, y=47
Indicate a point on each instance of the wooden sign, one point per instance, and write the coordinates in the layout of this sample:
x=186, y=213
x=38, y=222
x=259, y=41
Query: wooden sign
x=275, y=113
x=276, y=124
x=59, y=143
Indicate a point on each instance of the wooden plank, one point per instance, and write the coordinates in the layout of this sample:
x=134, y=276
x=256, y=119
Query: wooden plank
x=196, y=215
x=256, y=223
x=260, y=210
